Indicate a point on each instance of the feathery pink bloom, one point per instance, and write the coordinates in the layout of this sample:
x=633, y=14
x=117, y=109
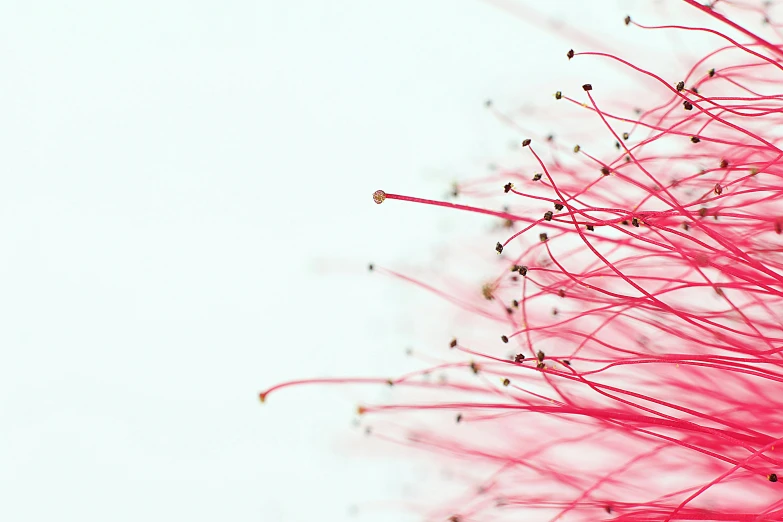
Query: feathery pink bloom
x=629, y=365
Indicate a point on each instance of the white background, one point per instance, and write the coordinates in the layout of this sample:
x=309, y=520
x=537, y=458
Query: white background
x=186, y=219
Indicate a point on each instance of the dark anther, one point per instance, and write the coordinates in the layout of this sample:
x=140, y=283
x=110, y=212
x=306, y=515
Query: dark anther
x=695, y=139
x=590, y=228
x=504, y=338
x=487, y=291
x=694, y=90
x=474, y=367
x=570, y=54
x=576, y=148
x=724, y=163
x=371, y=267
x=459, y=418
x=548, y=215
x=587, y=87
x=526, y=142
x=566, y=362
x=718, y=190
x=680, y=86
x=488, y=103
x=605, y=171
x=772, y=477
x=686, y=226
x=558, y=206
x=627, y=20
x=537, y=176
x=506, y=382
x=515, y=303
x=499, y=248
x=617, y=145
x=703, y=211
x=540, y=356
x=711, y=72
x=626, y=135
x=518, y=358
x=687, y=105
x=543, y=237
x=558, y=95
x=522, y=270
x=561, y=292
x=635, y=222
x=625, y=222
x=453, y=343
x=507, y=187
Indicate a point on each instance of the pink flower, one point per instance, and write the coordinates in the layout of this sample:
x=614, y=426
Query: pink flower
x=629, y=362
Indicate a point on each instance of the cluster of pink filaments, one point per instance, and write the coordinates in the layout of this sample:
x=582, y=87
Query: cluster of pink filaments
x=635, y=372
